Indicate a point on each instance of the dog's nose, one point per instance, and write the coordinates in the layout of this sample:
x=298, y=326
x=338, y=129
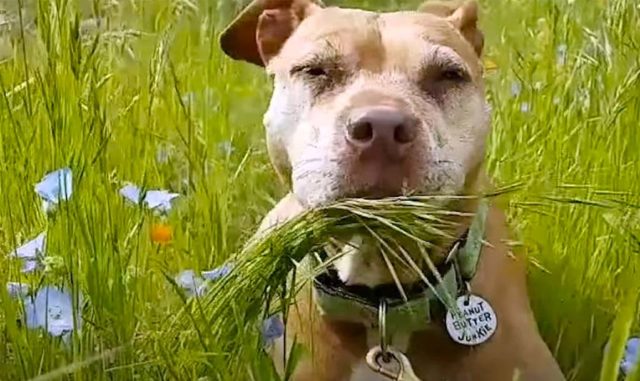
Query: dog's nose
x=389, y=128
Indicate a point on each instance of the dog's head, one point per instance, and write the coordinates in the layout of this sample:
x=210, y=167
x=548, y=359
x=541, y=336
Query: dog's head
x=368, y=104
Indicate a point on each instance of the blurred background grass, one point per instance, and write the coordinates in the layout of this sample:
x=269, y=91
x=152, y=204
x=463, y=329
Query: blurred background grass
x=139, y=91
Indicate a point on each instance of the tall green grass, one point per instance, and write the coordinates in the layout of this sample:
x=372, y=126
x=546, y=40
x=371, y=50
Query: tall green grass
x=104, y=98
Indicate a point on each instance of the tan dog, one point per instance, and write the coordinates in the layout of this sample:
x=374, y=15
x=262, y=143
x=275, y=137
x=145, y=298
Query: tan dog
x=382, y=104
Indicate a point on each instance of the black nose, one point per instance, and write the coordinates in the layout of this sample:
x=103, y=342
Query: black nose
x=381, y=125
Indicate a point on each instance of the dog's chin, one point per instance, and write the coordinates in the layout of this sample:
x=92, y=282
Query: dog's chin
x=360, y=263
x=320, y=189
x=382, y=189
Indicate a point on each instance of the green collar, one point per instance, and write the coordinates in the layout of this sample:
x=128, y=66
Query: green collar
x=360, y=304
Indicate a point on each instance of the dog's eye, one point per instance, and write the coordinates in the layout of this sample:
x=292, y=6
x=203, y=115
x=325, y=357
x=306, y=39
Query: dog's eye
x=315, y=71
x=310, y=71
x=319, y=77
x=454, y=75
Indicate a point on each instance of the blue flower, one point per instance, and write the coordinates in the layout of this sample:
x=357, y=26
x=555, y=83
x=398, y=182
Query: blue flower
x=630, y=359
x=52, y=309
x=218, y=272
x=31, y=253
x=191, y=283
x=516, y=89
x=54, y=187
x=158, y=200
x=272, y=329
x=194, y=284
x=17, y=290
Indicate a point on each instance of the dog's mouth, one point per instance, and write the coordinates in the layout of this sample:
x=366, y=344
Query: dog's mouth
x=385, y=189
x=444, y=201
x=404, y=179
x=375, y=182
x=380, y=194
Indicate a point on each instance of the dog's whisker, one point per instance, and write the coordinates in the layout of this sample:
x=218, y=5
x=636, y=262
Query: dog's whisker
x=301, y=176
x=307, y=160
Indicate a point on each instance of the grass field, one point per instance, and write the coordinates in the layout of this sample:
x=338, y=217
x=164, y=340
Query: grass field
x=145, y=96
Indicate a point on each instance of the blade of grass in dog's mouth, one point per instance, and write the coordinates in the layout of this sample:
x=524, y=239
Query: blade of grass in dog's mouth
x=236, y=303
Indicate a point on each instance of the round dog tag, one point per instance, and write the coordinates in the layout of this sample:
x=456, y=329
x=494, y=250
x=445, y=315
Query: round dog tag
x=474, y=322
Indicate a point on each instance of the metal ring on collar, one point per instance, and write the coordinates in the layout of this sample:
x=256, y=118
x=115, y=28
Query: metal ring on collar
x=382, y=327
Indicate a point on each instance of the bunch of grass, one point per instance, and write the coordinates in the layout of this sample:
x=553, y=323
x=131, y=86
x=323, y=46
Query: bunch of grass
x=261, y=279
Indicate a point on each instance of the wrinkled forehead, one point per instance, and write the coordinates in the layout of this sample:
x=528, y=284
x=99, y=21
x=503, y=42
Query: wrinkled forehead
x=376, y=41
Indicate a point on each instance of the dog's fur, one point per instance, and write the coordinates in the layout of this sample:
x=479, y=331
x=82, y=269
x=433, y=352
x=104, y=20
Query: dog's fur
x=331, y=65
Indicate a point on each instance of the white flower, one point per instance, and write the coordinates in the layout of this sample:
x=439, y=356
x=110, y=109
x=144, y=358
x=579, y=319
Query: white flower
x=206, y=96
x=561, y=55
x=585, y=98
x=525, y=107
x=226, y=148
x=163, y=153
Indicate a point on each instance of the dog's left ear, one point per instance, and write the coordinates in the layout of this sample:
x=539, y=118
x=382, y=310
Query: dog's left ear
x=463, y=16
x=260, y=30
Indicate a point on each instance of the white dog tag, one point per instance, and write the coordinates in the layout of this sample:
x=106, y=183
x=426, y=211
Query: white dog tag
x=475, y=323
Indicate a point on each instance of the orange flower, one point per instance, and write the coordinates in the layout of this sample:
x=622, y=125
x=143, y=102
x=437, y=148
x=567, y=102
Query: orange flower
x=161, y=233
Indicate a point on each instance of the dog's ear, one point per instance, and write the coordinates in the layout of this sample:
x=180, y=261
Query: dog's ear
x=463, y=16
x=258, y=33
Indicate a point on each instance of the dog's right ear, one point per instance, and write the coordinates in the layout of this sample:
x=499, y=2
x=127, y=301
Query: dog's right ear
x=260, y=30
x=463, y=14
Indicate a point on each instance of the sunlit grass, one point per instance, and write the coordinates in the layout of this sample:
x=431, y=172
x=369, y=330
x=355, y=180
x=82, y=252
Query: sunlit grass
x=145, y=96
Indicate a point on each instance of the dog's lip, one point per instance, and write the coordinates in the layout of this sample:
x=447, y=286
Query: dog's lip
x=382, y=194
x=377, y=193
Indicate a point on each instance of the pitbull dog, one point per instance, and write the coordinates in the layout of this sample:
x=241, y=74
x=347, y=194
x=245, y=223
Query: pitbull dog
x=370, y=104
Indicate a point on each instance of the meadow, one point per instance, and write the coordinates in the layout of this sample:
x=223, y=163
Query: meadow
x=139, y=92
